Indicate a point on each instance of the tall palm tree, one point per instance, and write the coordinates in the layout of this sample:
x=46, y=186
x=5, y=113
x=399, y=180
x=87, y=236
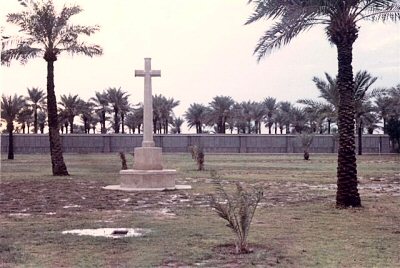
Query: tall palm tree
x=362, y=82
x=41, y=121
x=258, y=112
x=245, y=115
x=341, y=18
x=271, y=106
x=10, y=107
x=86, y=113
x=117, y=99
x=299, y=120
x=220, y=111
x=125, y=108
x=71, y=105
x=320, y=111
x=47, y=33
x=177, y=125
x=386, y=103
x=25, y=118
x=36, y=99
x=167, y=113
x=100, y=102
x=285, y=109
x=196, y=116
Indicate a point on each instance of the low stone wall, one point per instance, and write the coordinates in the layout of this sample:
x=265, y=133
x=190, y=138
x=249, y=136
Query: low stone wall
x=99, y=143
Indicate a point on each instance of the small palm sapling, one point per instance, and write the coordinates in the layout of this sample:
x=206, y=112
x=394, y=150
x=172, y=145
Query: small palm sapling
x=237, y=209
x=123, y=161
x=306, y=140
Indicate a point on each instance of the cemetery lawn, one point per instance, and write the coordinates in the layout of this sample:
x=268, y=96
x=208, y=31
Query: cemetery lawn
x=296, y=225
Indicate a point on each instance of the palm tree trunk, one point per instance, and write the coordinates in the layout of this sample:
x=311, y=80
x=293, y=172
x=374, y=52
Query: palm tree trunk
x=116, y=121
x=103, y=122
x=10, y=128
x=122, y=122
x=57, y=160
x=347, y=192
x=35, y=121
x=329, y=126
x=71, y=125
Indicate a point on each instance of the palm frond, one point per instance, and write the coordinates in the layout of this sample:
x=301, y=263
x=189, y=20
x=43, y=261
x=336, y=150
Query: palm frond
x=82, y=48
x=383, y=10
x=281, y=33
x=22, y=53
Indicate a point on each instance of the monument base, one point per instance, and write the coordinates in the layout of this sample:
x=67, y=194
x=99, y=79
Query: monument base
x=147, y=180
x=133, y=178
x=148, y=158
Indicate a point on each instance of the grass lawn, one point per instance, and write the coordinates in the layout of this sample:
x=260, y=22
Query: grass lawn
x=296, y=224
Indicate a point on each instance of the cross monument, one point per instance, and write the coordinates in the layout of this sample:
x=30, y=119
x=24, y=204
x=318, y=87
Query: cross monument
x=147, y=73
x=147, y=173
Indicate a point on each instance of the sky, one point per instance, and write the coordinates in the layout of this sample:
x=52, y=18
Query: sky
x=202, y=48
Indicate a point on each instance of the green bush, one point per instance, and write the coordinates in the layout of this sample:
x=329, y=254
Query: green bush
x=237, y=209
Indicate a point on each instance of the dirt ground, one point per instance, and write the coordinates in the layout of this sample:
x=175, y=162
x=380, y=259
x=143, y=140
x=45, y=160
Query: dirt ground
x=60, y=196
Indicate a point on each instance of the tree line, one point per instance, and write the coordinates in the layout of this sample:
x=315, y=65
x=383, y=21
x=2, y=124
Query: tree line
x=109, y=111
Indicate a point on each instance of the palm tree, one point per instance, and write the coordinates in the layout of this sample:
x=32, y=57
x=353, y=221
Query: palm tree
x=86, y=112
x=245, y=115
x=177, y=125
x=386, y=103
x=341, y=18
x=117, y=99
x=271, y=106
x=41, y=121
x=220, y=108
x=196, y=116
x=167, y=112
x=71, y=105
x=101, y=107
x=362, y=82
x=299, y=120
x=25, y=118
x=47, y=33
x=10, y=107
x=319, y=111
x=63, y=121
x=138, y=115
x=36, y=98
x=285, y=109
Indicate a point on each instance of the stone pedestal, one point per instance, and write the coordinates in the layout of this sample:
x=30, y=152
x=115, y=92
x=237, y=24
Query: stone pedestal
x=147, y=173
x=148, y=179
x=148, y=158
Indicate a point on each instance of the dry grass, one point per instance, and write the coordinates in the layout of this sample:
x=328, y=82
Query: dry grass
x=296, y=224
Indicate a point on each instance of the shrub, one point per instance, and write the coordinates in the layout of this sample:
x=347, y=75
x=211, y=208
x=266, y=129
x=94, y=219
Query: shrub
x=123, y=160
x=237, y=209
x=197, y=155
x=306, y=140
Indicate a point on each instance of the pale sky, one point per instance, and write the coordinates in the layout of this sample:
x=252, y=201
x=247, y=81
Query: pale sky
x=203, y=50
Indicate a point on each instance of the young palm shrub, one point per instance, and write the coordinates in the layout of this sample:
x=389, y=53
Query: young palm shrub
x=124, y=166
x=197, y=153
x=306, y=140
x=237, y=209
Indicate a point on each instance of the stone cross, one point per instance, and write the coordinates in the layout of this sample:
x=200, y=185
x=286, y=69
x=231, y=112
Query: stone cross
x=148, y=73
